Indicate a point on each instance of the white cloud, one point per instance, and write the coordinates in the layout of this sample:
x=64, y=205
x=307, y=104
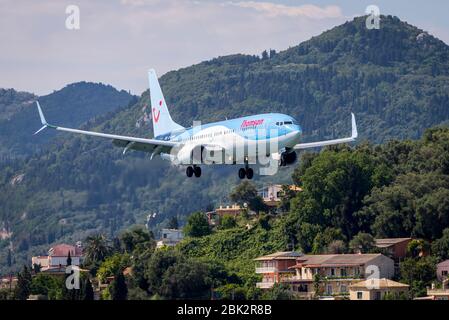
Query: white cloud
x=307, y=10
x=119, y=40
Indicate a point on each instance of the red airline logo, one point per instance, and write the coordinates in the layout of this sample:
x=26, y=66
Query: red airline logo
x=251, y=123
x=156, y=116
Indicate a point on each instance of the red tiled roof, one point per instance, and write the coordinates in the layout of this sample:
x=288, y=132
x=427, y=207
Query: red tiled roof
x=62, y=250
x=329, y=260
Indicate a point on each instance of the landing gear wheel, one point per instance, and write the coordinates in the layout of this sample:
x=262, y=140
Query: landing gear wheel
x=197, y=171
x=249, y=173
x=242, y=173
x=189, y=171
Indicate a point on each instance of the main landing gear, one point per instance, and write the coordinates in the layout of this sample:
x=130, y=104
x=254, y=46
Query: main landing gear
x=247, y=171
x=190, y=171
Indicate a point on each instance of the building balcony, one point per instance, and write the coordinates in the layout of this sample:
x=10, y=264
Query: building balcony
x=436, y=292
x=265, y=285
x=266, y=269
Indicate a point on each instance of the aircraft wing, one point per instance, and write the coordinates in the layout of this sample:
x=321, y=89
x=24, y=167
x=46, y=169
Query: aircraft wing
x=352, y=138
x=141, y=144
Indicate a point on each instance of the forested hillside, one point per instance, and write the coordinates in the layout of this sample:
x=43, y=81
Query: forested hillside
x=72, y=105
x=396, y=81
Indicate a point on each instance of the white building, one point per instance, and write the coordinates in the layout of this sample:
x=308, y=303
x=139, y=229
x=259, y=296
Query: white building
x=57, y=257
x=169, y=237
x=271, y=194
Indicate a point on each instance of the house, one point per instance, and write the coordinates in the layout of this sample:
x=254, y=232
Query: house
x=56, y=260
x=377, y=289
x=233, y=210
x=275, y=268
x=169, y=237
x=439, y=293
x=271, y=194
x=395, y=248
x=8, y=282
x=336, y=272
x=443, y=270
x=212, y=218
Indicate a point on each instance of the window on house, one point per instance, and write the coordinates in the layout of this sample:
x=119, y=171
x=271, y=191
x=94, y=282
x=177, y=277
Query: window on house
x=329, y=289
x=332, y=272
x=359, y=295
x=444, y=273
x=344, y=289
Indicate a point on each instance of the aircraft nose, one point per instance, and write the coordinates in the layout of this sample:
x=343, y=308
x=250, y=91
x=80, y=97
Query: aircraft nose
x=298, y=132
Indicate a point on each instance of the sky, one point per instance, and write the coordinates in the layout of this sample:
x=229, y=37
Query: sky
x=119, y=40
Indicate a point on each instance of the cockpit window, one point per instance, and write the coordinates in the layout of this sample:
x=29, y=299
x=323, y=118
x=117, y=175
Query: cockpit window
x=288, y=122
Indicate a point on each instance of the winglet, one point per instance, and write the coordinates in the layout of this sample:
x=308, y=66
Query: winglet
x=41, y=115
x=355, y=134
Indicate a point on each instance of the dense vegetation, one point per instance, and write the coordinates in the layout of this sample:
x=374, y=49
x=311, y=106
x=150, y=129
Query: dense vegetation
x=350, y=196
x=395, y=79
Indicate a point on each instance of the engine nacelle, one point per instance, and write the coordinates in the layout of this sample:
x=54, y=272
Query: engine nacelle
x=288, y=158
x=198, y=154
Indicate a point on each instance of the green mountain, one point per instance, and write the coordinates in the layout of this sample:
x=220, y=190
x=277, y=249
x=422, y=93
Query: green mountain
x=395, y=80
x=72, y=105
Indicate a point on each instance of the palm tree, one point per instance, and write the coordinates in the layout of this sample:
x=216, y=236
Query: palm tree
x=97, y=248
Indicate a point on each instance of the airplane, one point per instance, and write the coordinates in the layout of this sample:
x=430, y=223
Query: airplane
x=234, y=141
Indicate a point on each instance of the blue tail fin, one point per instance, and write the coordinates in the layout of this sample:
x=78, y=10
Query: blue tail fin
x=162, y=121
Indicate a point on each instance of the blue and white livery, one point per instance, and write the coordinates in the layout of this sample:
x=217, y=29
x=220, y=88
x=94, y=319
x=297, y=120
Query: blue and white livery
x=257, y=140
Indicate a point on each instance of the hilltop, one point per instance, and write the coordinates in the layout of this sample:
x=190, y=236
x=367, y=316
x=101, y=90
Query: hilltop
x=72, y=105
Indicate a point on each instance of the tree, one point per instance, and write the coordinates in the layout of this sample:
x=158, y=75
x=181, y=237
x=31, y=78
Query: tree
x=118, y=288
x=97, y=248
x=417, y=247
x=23, y=287
x=69, y=259
x=136, y=237
x=112, y=265
x=440, y=247
x=231, y=291
x=287, y=194
x=197, y=225
x=9, y=258
x=156, y=267
x=227, y=222
x=334, y=186
x=36, y=268
x=337, y=247
x=246, y=192
x=278, y=292
x=173, y=223
x=186, y=280
x=418, y=273
x=265, y=55
x=47, y=285
x=88, y=293
x=325, y=238
x=317, y=284
x=362, y=242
